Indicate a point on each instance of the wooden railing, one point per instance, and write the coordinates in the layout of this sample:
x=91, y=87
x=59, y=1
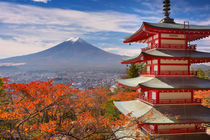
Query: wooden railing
x=141, y=97
x=170, y=101
x=175, y=130
x=179, y=47
x=192, y=47
x=194, y=73
x=149, y=47
x=148, y=73
x=154, y=73
x=172, y=46
x=178, y=101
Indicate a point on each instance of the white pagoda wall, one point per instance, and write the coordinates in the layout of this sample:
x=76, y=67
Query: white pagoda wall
x=170, y=39
x=182, y=36
x=173, y=68
x=174, y=42
x=175, y=95
x=173, y=65
x=171, y=61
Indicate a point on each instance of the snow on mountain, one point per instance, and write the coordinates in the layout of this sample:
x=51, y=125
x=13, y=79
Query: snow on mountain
x=74, y=39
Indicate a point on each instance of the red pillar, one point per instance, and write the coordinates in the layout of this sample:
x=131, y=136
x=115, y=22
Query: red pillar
x=189, y=67
x=159, y=40
x=155, y=128
x=186, y=41
x=157, y=97
x=192, y=96
x=158, y=66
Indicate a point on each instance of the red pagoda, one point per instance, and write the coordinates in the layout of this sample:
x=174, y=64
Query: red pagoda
x=167, y=86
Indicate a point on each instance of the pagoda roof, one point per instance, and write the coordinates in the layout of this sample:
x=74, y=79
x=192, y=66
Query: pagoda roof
x=134, y=82
x=177, y=26
x=186, y=54
x=148, y=29
x=166, y=82
x=177, y=53
x=164, y=114
x=131, y=58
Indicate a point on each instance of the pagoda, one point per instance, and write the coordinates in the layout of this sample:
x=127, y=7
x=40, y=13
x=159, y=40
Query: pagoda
x=166, y=105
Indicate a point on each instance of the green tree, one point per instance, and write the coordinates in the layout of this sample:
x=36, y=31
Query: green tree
x=2, y=94
x=1, y=85
x=133, y=71
x=192, y=70
x=201, y=74
x=141, y=67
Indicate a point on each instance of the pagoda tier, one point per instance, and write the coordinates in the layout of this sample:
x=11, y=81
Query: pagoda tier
x=158, y=91
x=169, y=83
x=157, y=31
x=167, y=120
x=191, y=56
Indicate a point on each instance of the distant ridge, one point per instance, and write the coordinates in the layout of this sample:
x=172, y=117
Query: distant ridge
x=74, y=53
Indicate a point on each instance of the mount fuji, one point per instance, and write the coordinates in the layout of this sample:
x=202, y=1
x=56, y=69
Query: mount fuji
x=74, y=53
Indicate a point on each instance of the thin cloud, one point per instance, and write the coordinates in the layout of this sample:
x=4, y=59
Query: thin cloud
x=93, y=21
x=44, y=1
x=124, y=51
x=33, y=28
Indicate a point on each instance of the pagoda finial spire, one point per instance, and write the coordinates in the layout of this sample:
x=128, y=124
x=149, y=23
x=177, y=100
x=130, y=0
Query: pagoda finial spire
x=166, y=9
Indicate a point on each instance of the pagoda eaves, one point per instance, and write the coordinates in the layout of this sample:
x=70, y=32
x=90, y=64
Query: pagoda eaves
x=161, y=82
x=192, y=55
x=149, y=29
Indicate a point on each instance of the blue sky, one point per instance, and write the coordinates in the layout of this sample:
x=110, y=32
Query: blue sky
x=29, y=26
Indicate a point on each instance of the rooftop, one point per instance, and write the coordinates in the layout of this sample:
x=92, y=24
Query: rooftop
x=148, y=29
x=164, y=114
x=166, y=82
x=177, y=26
x=186, y=54
x=177, y=53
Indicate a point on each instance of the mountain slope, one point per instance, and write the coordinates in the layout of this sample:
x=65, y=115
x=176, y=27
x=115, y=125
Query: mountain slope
x=73, y=53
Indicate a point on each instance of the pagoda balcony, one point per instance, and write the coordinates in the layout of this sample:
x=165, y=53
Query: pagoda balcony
x=149, y=48
x=179, y=47
x=149, y=73
x=172, y=73
x=175, y=130
x=172, y=47
x=192, y=47
x=194, y=73
x=169, y=101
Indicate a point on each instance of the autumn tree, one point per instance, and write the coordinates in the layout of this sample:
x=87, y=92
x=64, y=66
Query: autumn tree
x=48, y=110
x=204, y=95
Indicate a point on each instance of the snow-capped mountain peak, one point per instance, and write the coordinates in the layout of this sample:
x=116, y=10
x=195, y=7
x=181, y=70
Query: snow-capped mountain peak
x=74, y=39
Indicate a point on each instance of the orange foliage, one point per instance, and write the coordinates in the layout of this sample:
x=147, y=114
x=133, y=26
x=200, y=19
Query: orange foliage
x=204, y=95
x=125, y=96
x=48, y=109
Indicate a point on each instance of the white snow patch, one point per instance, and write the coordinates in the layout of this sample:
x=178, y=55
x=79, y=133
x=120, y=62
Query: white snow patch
x=73, y=39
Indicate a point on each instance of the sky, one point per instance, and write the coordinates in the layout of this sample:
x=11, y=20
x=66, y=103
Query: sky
x=29, y=26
